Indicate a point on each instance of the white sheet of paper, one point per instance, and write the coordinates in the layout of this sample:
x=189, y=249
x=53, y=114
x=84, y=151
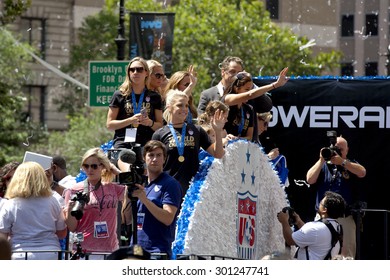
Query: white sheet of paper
x=130, y=135
x=43, y=160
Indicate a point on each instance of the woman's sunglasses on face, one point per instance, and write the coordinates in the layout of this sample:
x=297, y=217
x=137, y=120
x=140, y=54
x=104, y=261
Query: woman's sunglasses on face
x=136, y=69
x=94, y=166
x=265, y=123
x=158, y=75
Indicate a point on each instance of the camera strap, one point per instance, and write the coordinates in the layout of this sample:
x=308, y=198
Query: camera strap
x=97, y=186
x=336, y=237
x=86, y=190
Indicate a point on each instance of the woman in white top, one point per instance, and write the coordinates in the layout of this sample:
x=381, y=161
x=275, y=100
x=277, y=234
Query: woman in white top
x=32, y=217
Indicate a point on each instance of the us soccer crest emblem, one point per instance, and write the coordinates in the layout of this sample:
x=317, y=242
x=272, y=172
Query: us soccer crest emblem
x=246, y=225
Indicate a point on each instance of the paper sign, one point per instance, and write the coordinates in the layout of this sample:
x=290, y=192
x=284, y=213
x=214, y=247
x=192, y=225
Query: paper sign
x=44, y=161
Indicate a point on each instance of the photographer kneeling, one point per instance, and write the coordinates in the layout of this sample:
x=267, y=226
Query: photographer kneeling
x=92, y=205
x=158, y=202
x=316, y=240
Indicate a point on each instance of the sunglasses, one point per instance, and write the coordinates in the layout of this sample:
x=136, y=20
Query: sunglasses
x=159, y=75
x=265, y=122
x=138, y=69
x=94, y=166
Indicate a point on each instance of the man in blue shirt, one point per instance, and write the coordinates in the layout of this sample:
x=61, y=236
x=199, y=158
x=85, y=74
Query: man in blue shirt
x=340, y=175
x=158, y=202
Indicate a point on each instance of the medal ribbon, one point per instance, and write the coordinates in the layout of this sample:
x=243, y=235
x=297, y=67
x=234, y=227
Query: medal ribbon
x=137, y=107
x=180, y=146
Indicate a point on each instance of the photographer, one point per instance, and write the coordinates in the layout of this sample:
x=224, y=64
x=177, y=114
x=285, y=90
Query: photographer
x=92, y=204
x=158, y=202
x=338, y=174
x=314, y=239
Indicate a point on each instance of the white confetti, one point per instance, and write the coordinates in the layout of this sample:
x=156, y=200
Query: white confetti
x=309, y=44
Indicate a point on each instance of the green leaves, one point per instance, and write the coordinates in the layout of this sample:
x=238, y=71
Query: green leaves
x=11, y=9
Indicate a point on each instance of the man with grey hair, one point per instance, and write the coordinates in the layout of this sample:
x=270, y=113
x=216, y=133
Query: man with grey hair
x=230, y=66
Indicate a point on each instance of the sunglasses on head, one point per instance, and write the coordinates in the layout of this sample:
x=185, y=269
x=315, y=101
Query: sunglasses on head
x=159, y=75
x=138, y=69
x=242, y=75
x=94, y=166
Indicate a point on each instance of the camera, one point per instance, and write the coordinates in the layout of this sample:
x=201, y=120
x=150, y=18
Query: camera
x=136, y=173
x=291, y=218
x=328, y=152
x=81, y=198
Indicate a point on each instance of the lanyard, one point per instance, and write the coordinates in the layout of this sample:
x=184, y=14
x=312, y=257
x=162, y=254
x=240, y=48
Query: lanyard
x=137, y=107
x=96, y=187
x=180, y=145
x=189, y=117
x=241, y=126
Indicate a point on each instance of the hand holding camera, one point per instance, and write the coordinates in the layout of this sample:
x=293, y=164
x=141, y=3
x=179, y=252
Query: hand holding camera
x=291, y=216
x=328, y=152
x=288, y=214
x=80, y=198
x=138, y=191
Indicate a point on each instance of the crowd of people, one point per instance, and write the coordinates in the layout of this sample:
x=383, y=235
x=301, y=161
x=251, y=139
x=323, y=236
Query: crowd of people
x=158, y=114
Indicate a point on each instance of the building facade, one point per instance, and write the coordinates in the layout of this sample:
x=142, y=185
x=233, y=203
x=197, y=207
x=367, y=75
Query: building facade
x=50, y=26
x=359, y=29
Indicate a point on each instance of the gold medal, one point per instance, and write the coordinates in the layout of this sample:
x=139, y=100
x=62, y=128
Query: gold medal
x=181, y=158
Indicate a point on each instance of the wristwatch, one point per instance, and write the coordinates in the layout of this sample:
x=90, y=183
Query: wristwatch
x=344, y=162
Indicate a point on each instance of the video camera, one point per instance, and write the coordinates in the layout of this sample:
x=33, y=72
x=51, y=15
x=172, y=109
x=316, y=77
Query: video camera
x=328, y=152
x=291, y=217
x=136, y=173
x=81, y=198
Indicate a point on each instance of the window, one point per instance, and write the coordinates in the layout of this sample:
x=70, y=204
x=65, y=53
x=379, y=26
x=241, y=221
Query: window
x=33, y=31
x=347, y=26
x=371, y=69
x=272, y=6
x=35, y=107
x=347, y=69
x=372, y=25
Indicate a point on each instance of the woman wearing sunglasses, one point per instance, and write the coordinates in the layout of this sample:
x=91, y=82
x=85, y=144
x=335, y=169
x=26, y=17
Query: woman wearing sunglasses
x=92, y=204
x=135, y=112
x=240, y=119
x=157, y=79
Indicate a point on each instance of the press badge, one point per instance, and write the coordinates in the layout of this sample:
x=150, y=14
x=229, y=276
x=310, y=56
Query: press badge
x=130, y=135
x=140, y=221
x=100, y=230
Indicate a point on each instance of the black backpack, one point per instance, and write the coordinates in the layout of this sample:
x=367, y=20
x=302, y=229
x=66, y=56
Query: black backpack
x=336, y=237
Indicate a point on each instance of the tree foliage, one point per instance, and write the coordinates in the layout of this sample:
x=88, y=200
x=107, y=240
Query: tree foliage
x=10, y=9
x=207, y=31
x=14, y=127
x=86, y=130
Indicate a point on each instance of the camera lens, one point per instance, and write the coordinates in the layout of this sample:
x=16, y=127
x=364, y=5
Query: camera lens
x=77, y=210
x=326, y=153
